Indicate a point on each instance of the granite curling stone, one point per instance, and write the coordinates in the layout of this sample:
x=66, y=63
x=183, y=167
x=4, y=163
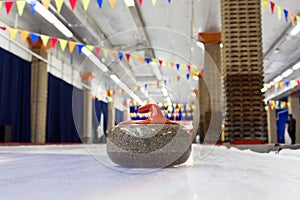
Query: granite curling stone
x=153, y=143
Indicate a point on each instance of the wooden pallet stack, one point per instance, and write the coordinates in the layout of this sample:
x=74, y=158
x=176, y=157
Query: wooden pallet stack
x=242, y=69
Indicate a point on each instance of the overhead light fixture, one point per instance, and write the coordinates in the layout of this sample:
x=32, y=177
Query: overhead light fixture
x=287, y=73
x=295, y=30
x=221, y=45
x=278, y=79
x=200, y=44
x=39, y=8
x=129, y=3
x=94, y=59
x=263, y=90
x=196, y=78
x=164, y=91
x=296, y=66
x=115, y=78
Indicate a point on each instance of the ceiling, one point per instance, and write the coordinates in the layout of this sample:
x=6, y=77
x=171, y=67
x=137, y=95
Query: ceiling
x=166, y=32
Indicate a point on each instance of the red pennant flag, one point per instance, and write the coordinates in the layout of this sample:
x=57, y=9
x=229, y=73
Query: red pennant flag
x=178, y=78
x=3, y=28
x=160, y=62
x=97, y=51
x=140, y=2
x=73, y=4
x=189, y=68
x=8, y=6
x=127, y=56
x=298, y=82
x=54, y=41
x=272, y=4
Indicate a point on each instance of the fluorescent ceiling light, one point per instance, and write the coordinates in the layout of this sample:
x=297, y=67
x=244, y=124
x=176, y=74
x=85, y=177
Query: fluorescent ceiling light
x=295, y=30
x=94, y=59
x=272, y=83
x=296, y=66
x=157, y=72
x=196, y=78
x=278, y=78
x=263, y=90
x=115, y=78
x=200, y=44
x=39, y=8
x=287, y=73
x=164, y=91
x=129, y=3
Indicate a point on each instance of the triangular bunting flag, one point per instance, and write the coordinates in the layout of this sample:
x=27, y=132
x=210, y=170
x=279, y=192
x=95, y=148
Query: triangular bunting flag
x=286, y=15
x=90, y=47
x=97, y=51
x=79, y=47
x=12, y=33
x=24, y=35
x=85, y=4
x=63, y=44
x=135, y=57
x=177, y=66
x=272, y=6
x=100, y=2
x=8, y=5
x=292, y=16
x=140, y=2
x=0, y=4
x=154, y=60
x=147, y=60
x=298, y=19
x=142, y=59
x=127, y=55
x=73, y=4
x=265, y=2
x=279, y=12
x=169, y=1
x=32, y=5
x=112, y=3
x=54, y=42
x=114, y=53
x=34, y=37
x=160, y=62
x=72, y=46
x=154, y=2
x=44, y=39
x=20, y=6
x=187, y=76
x=46, y=3
x=120, y=56
x=105, y=52
x=59, y=4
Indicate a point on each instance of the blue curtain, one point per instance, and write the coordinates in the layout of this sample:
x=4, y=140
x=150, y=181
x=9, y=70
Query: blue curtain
x=60, y=120
x=119, y=116
x=282, y=117
x=100, y=107
x=15, y=76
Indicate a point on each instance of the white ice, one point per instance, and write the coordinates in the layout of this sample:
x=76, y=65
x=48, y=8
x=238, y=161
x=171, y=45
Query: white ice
x=72, y=173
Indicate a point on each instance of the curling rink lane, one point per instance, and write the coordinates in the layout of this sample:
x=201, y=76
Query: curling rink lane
x=74, y=172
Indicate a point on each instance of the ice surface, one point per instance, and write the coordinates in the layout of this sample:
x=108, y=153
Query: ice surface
x=70, y=172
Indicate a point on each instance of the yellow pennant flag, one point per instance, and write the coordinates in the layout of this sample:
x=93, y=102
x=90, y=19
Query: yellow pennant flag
x=265, y=2
x=59, y=4
x=154, y=2
x=24, y=35
x=112, y=3
x=20, y=6
x=105, y=52
x=12, y=33
x=154, y=60
x=46, y=3
x=135, y=57
x=90, y=47
x=292, y=16
x=63, y=44
x=279, y=12
x=45, y=39
x=298, y=20
x=85, y=4
x=72, y=45
x=0, y=4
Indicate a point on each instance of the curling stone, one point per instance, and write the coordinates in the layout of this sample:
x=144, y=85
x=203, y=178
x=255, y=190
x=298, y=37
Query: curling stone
x=152, y=143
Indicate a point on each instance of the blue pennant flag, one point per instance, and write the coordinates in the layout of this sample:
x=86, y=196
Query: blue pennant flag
x=120, y=56
x=169, y=1
x=146, y=86
x=79, y=47
x=34, y=37
x=165, y=81
x=286, y=15
x=177, y=66
x=287, y=84
x=148, y=60
x=100, y=3
x=187, y=76
x=32, y=5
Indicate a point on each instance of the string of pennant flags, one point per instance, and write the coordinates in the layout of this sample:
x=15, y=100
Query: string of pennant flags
x=281, y=85
x=20, y=4
x=53, y=42
x=274, y=104
x=281, y=12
